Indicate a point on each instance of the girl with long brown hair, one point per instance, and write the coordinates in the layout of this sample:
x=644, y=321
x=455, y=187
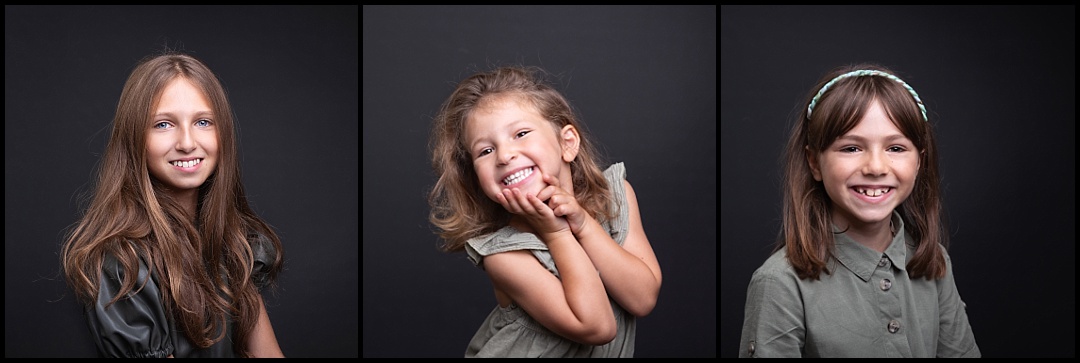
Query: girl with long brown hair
x=861, y=268
x=520, y=191
x=168, y=258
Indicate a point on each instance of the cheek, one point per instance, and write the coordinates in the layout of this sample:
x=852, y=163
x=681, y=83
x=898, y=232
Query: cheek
x=155, y=147
x=209, y=143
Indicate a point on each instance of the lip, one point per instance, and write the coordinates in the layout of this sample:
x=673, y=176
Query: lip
x=869, y=199
x=190, y=169
x=186, y=159
x=500, y=181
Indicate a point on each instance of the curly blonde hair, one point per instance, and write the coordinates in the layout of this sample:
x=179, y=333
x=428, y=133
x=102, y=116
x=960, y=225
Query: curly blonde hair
x=458, y=205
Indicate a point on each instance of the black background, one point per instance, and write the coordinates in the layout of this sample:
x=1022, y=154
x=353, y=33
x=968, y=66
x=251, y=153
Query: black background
x=999, y=85
x=291, y=76
x=643, y=79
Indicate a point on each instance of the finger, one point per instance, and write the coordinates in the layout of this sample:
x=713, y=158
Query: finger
x=511, y=203
x=501, y=199
x=538, y=205
x=523, y=201
x=547, y=193
x=559, y=204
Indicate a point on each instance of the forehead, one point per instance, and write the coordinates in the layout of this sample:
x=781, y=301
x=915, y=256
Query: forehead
x=182, y=92
x=498, y=113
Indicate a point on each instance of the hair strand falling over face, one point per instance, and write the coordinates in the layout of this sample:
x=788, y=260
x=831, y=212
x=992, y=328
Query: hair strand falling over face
x=459, y=207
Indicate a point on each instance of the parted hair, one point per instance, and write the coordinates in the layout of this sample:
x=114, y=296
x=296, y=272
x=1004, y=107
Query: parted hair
x=806, y=231
x=131, y=217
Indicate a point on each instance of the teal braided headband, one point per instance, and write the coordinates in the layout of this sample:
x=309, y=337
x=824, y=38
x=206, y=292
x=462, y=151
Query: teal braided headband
x=859, y=73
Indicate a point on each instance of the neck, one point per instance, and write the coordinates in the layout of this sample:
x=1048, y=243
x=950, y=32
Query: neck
x=187, y=199
x=877, y=236
x=520, y=224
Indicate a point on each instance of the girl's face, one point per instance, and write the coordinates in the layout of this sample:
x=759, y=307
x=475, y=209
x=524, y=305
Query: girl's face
x=181, y=142
x=512, y=146
x=868, y=171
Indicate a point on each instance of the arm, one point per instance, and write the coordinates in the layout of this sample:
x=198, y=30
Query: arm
x=262, y=343
x=575, y=305
x=630, y=272
x=955, y=339
x=773, y=318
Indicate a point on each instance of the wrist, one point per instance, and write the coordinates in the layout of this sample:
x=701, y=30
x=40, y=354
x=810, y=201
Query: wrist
x=586, y=225
x=557, y=236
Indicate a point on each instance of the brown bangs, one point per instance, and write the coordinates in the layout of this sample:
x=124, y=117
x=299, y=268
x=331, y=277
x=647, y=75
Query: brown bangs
x=846, y=102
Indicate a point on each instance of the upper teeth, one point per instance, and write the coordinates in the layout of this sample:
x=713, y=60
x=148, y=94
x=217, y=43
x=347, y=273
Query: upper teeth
x=187, y=164
x=518, y=176
x=872, y=192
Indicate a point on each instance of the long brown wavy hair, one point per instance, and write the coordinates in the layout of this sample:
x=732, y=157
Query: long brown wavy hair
x=459, y=207
x=131, y=217
x=807, y=213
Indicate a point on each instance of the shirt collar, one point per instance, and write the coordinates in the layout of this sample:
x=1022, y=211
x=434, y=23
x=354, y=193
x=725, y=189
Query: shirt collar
x=862, y=260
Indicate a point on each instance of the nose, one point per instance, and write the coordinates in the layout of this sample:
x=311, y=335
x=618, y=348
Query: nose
x=877, y=163
x=506, y=154
x=186, y=141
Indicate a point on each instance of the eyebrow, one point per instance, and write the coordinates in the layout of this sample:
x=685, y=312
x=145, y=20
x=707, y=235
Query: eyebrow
x=863, y=139
x=510, y=125
x=171, y=114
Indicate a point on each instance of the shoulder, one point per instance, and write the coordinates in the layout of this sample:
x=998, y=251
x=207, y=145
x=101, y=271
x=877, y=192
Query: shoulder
x=504, y=240
x=262, y=247
x=776, y=266
x=113, y=264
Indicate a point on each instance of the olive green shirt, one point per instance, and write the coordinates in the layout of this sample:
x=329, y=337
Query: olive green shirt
x=866, y=307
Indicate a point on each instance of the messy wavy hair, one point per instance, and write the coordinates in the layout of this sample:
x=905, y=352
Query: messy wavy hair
x=459, y=207
x=131, y=217
x=807, y=213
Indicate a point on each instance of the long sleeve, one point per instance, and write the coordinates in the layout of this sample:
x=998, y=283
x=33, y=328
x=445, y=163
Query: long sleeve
x=955, y=338
x=773, y=320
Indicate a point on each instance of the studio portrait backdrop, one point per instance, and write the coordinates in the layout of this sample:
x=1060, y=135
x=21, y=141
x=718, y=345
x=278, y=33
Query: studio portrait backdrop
x=643, y=81
x=290, y=74
x=999, y=88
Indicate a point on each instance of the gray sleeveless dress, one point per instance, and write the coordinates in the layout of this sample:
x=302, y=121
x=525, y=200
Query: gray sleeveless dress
x=511, y=332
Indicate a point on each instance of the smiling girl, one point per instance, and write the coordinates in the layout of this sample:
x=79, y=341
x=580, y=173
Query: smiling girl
x=520, y=191
x=168, y=258
x=861, y=268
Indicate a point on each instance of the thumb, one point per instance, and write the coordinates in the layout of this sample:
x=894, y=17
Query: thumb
x=551, y=180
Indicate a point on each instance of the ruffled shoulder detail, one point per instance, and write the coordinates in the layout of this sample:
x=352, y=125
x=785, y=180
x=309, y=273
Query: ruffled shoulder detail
x=504, y=240
x=620, y=224
x=136, y=325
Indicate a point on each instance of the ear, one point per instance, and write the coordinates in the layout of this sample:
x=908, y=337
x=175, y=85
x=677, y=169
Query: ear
x=571, y=142
x=812, y=160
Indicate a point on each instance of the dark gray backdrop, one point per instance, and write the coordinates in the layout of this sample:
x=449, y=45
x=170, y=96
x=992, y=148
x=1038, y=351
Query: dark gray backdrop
x=291, y=75
x=999, y=84
x=644, y=81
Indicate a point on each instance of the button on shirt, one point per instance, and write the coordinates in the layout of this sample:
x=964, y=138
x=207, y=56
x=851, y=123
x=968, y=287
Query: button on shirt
x=867, y=307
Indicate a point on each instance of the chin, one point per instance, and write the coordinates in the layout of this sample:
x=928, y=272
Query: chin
x=873, y=217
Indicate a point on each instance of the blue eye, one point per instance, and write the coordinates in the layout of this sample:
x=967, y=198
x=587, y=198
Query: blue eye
x=160, y=124
x=202, y=122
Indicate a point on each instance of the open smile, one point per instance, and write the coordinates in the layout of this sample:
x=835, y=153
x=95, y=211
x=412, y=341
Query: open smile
x=187, y=166
x=872, y=195
x=518, y=177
